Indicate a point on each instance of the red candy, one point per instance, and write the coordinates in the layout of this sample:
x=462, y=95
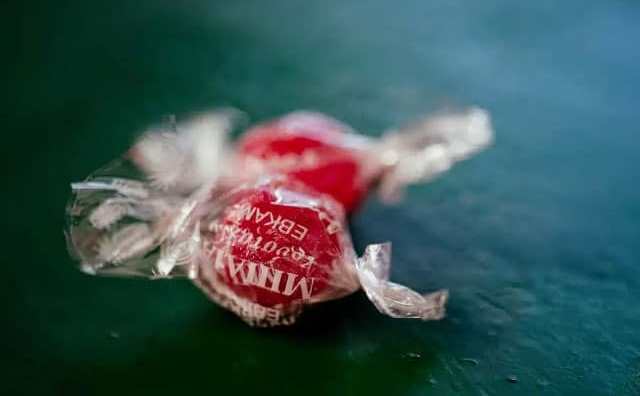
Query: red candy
x=275, y=247
x=261, y=227
x=313, y=149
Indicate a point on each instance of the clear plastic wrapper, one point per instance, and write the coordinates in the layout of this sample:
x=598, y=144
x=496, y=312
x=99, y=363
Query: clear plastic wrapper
x=263, y=250
x=315, y=149
x=261, y=228
x=331, y=158
x=132, y=205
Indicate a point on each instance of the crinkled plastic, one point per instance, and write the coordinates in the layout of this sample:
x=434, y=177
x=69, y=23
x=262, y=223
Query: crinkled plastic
x=331, y=158
x=122, y=214
x=263, y=250
x=315, y=149
x=262, y=230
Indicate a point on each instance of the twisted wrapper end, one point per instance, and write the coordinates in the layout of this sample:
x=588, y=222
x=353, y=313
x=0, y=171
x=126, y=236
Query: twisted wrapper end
x=390, y=298
x=180, y=157
x=422, y=151
x=133, y=216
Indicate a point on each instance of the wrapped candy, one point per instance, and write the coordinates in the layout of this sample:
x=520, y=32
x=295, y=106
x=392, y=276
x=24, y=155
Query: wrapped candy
x=331, y=158
x=314, y=149
x=263, y=250
x=277, y=246
x=256, y=233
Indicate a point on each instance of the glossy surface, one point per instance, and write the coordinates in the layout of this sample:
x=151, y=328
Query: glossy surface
x=537, y=238
x=276, y=244
x=313, y=149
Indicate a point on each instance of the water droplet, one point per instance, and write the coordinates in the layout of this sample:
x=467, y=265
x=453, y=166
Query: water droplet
x=513, y=379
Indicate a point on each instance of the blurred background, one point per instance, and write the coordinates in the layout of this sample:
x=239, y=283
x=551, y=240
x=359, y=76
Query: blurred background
x=538, y=238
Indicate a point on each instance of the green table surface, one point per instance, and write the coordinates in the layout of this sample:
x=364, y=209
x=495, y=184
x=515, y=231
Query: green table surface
x=538, y=239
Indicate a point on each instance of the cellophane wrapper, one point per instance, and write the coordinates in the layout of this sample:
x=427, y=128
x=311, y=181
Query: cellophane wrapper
x=330, y=157
x=264, y=245
x=264, y=250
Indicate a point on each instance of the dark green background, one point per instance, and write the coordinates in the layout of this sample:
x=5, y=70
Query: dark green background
x=537, y=239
